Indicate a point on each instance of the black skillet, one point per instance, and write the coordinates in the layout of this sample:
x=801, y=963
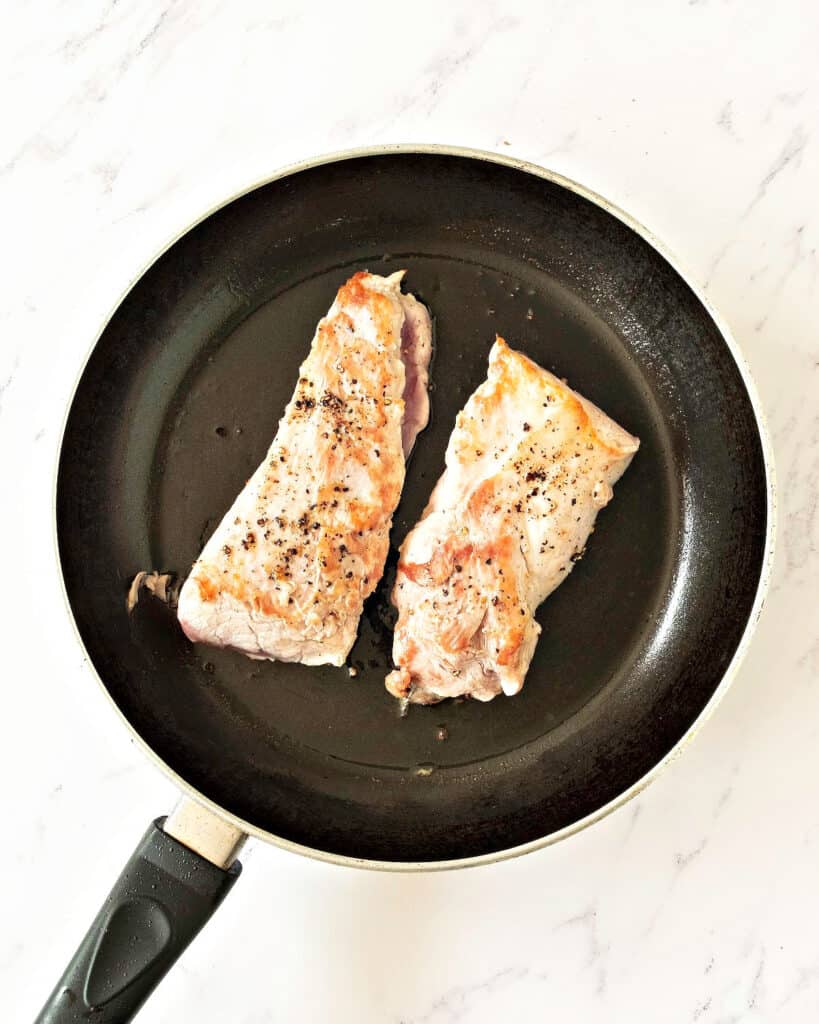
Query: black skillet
x=179, y=401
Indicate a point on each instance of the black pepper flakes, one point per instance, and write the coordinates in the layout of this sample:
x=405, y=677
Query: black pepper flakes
x=331, y=401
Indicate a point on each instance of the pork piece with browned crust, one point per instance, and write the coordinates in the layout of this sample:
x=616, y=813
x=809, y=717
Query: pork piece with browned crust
x=286, y=572
x=529, y=465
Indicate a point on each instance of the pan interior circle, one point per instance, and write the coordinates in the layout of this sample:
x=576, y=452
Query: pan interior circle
x=221, y=423
x=182, y=397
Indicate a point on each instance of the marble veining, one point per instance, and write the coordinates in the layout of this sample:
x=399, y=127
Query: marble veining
x=125, y=121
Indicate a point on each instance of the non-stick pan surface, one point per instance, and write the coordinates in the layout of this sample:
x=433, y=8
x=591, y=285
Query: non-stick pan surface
x=180, y=400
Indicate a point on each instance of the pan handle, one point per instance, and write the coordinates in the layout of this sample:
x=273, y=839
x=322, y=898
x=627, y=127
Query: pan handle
x=159, y=903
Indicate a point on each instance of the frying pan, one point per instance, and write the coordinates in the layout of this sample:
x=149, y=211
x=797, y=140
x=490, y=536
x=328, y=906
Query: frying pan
x=176, y=406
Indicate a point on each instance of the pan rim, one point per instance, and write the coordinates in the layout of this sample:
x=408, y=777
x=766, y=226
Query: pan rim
x=766, y=568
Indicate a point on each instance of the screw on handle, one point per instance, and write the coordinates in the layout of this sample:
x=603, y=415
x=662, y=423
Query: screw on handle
x=159, y=903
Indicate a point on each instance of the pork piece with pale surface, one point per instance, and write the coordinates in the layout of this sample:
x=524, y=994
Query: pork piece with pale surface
x=286, y=572
x=529, y=465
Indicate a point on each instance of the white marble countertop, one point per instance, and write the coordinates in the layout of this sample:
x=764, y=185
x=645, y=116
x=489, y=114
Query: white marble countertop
x=123, y=122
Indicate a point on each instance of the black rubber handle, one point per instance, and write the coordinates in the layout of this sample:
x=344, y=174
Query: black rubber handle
x=160, y=902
